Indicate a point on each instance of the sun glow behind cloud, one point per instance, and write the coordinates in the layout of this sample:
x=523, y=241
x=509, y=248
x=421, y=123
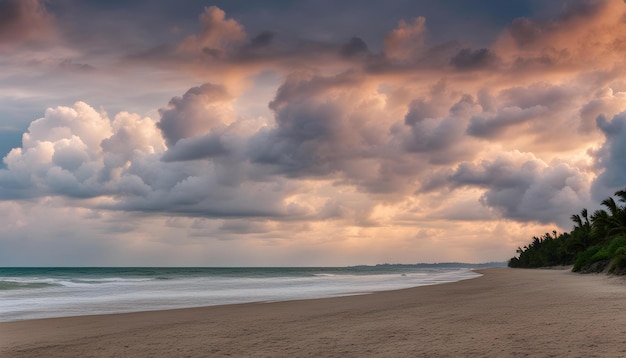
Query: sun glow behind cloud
x=226, y=147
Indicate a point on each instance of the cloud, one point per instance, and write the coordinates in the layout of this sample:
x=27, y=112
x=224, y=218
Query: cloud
x=376, y=131
x=468, y=59
x=196, y=113
x=507, y=117
x=356, y=46
x=200, y=147
x=524, y=188
x=605, y=102
x=609, y=158
x=218, y=34
x=406, y=40
x=42, y=164
x=543, y=117
x=222, y=44
x=263, y=39
x=25, y=22
x=117, y=165
x=587, y=33
x=78, y=152
x=317, y=127
x=441, y=138
x=309, y=137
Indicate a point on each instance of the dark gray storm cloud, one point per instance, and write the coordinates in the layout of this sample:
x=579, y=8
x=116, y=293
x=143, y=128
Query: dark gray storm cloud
x=354, y=47
x=263, y=39
x=201, y=147
x=611, y=157
x=468, y=59
x=302, y=143
x=370, y=114
x=422, y=109
x=524, y=188
x=441, y=138
x=25, y=21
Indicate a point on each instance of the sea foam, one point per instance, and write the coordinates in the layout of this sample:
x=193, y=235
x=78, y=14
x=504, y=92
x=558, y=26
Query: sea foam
x=30, y=293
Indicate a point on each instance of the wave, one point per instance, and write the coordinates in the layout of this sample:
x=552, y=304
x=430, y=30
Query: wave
x=50, y=293
x=17, y=285
x=108, y=280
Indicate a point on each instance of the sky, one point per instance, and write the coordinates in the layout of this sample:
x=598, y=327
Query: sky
x=304, y=132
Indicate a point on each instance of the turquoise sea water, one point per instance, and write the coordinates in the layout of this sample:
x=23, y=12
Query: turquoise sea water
x=29, y=293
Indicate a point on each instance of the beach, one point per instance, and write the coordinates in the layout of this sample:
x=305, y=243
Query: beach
x=504, y=313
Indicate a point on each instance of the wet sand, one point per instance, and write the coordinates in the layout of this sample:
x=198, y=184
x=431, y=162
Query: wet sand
x=504, y=313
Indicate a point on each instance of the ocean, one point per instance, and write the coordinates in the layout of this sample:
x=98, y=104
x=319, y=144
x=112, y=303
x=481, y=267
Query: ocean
x=30, y=293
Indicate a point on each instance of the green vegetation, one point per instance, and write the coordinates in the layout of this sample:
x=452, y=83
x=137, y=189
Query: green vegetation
x=596, y=242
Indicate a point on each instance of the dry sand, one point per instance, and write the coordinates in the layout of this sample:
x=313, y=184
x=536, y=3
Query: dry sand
x=505, y=313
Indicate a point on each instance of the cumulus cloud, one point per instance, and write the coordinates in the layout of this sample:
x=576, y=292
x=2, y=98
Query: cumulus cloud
x=610, y=158
x=352, y=140
x=74, y=152
x=79, y=153
x=198, y=111
x=587, y=33
x=441, y=138
x=321, y=123
x=524, y=188
x=605, y=102
x=218, y=34
x=348, y=129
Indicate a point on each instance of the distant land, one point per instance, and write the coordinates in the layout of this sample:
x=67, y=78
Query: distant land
x=448, y=264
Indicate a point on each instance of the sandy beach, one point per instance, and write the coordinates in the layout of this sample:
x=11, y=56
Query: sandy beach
x=504, y=313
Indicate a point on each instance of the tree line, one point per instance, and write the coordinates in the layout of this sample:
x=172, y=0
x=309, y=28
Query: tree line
x=597, y=242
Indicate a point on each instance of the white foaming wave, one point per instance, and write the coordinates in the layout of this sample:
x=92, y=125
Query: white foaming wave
x=115, y=295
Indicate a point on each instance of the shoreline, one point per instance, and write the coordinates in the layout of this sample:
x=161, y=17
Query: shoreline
x=505, y=312
x=34, y=293
x=339, y=295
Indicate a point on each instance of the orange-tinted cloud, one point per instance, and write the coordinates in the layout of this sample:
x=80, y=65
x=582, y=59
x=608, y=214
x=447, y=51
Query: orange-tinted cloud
x=318, y=139
x=218, y=34
x=587, y=34
x=406, y=40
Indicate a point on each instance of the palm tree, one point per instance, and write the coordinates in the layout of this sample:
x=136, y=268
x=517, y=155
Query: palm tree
x=577, y=220
x=581, y=234
x=601, y=225
x=622, y=195
x=616, y=224
x=611, y=205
